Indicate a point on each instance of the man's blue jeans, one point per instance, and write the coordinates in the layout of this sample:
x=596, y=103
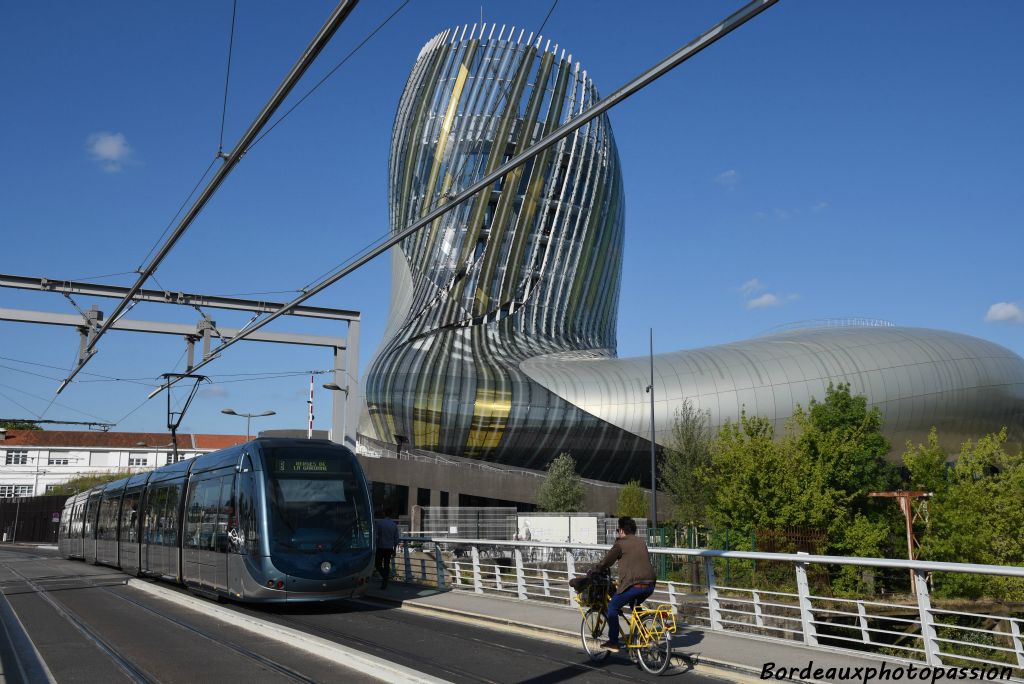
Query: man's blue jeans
x=633, y=593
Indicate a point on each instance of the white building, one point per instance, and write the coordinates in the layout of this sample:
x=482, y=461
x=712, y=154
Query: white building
x=34, y=461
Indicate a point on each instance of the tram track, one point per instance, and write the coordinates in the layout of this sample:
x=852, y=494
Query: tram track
x=284, y=670
x=583, y=667
x=371, y=645
x=130, y=669
x=329, y=632
x=310, y=623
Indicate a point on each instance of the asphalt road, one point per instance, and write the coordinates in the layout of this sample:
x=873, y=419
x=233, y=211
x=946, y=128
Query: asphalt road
x=89, y=626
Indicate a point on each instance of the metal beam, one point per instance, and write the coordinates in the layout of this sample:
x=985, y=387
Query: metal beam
x=321, y=39
x=720, y=30
x=182, y=329
x=168, y=297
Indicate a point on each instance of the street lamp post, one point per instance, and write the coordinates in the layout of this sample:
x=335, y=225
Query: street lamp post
x=654, y=459
x=248, y=417
x=334, y=387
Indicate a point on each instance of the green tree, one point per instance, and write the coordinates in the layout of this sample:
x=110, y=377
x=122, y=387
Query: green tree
x=817, y=475
x=562, y=491
x=633, y=501
x=18, y=425
x=82, y=483
x=927, y=464
x=976, y=514
x=757, y=482
x=687, y=454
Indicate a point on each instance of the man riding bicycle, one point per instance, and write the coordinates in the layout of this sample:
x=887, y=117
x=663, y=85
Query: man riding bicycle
x=636, y=576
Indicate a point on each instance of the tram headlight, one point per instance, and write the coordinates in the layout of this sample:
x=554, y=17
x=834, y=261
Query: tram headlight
x=325, y=567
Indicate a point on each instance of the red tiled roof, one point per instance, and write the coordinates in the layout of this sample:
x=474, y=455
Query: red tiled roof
x=217, y=441
x=115, y=440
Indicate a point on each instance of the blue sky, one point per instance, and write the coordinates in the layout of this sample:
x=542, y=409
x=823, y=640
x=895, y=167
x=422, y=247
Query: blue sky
x=826, y=160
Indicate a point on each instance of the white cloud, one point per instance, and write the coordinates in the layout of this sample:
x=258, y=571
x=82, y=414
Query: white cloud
x=727, y=178
x=751, y=286
x=1004, y=312
x=765, y=300
x=820, y=206
x=110, y=150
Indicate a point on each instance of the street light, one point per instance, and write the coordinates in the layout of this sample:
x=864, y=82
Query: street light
x=335, y=387
x=248, y=417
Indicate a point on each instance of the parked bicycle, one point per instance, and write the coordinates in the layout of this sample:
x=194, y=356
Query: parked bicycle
x=648, y=634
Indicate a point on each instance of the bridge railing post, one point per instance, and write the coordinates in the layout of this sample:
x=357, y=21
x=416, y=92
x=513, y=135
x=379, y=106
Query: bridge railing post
x=806, y=606
x=439, y=565
x=1018, y=643
x=929, y=636
x=497, y=577
x=570, y=569
x=862, y=618
x=758, y=615
x=520, y=576
x=714, y=607
x=408, y=562
x=478, y=582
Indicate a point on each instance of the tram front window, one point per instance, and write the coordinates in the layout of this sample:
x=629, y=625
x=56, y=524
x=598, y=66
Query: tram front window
x=317, y=503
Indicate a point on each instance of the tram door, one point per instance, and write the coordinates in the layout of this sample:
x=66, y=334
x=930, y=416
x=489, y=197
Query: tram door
x=206, y=540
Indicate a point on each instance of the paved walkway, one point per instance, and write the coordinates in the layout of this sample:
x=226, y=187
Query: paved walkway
x=741, y=655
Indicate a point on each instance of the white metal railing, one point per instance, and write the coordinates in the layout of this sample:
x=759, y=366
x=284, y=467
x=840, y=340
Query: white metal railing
x=897, y=627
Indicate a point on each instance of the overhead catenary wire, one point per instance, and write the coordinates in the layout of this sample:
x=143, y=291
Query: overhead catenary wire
x=709, y=37
x=51, y=403
x=174, y=218
x=227, y=80
x=330, y=73
x=337, y=16
x=21, y=406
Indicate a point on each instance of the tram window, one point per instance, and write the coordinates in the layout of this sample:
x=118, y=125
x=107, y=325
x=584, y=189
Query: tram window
x=79, y=519
x=247, y=511
x=202, y=514
x=90, y=517
x=193, y=514
x=154, y=507
x=130, y=517
x=106, y=528
x=225, y=515
x=170, y=515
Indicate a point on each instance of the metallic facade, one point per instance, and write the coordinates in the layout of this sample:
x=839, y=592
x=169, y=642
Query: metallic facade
x=501, y=340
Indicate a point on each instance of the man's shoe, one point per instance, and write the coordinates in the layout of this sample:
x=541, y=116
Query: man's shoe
x=612, y=646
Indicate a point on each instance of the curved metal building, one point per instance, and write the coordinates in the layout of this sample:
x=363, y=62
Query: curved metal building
x=501, y=339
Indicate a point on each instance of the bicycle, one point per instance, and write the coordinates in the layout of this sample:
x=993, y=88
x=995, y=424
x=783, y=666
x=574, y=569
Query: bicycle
x=648, y=635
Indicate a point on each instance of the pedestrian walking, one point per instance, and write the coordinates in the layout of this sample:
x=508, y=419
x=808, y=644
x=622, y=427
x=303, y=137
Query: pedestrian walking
x=387, y=542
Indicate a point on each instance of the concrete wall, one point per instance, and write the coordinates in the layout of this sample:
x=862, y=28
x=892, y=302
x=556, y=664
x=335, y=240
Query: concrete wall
x=506, y=485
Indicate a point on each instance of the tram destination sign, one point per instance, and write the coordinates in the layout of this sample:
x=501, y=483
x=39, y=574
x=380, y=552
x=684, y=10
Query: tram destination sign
x=306, y=466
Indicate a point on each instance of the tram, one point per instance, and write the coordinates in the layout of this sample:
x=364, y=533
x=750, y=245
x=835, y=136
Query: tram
x=272, y=520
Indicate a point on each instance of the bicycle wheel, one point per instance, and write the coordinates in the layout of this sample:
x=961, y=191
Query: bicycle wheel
x=593, y=629
x=656, y=656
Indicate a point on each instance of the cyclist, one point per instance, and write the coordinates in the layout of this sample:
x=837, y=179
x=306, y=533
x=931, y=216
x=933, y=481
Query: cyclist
x=636, y=576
